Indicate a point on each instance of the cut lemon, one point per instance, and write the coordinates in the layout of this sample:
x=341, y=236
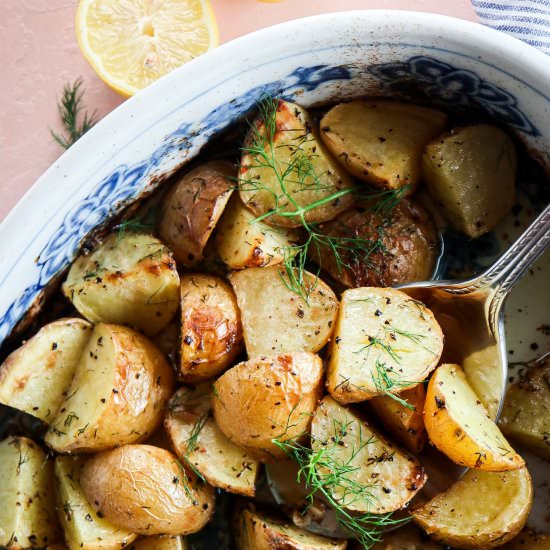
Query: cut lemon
x=132, y=43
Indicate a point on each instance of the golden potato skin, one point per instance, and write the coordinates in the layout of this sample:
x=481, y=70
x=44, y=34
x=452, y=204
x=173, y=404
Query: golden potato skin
x=117, y=396
x=129, y=279
x=192, y=208
x=381, y=141
x=160, y=542
x=146, y=490
x=211, y=332
x=408, y=238
x=481, y=510
x=407, y=537
x=266, y=398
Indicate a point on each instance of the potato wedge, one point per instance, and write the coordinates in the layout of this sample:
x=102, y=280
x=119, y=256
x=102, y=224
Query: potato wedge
x=27, y=514
x=381, y=478
x=470, y=172
x=243, y=242
x=129, y=279
x=83, y=528
x=408, y=537
x=34, y=377
x=381, y=141
x=406, y=425
x=118, y=394
x=402, y=245
x=197, y=439
x=527, y=540
x=459, y=426
x=276, y=319
x=482, y=510
x=160, y=542
x=146, y=490
x=192, y=208
x=268, y=398
x=256, y=531
x=526, y=412
x=384, y=342
x=211, y=332
x=285, y=166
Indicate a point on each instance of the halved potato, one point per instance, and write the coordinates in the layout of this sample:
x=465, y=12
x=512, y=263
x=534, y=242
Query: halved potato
x=459, y=426
x=381, y=141
x=408, y=537
x=146, y=490
x=399, y=245
x=118, y=394
x=377, y=476
x=384, y=342
x=526, y=412
x=160, y=542
x=482, y=510
x=276, y=319
x=243, y=242
x=267, y=399
x=404, y=423
x=529, y=541
x=471, y=172
x=82, y=527
x=256, y=531
x=286, y=167
x=27, y=513
x=130, y=279
x=197, y=439
x=192, y=208
x=34, y=377
x=211, y=332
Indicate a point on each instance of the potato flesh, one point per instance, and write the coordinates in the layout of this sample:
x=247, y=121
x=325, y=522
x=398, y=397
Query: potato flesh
x=381, y=333
x=299, y=159
x=277, y=320
x=83, y=528
x=243, y=242
x=459, y=426
x=197, y=439
x=118, y=394
x=481, y=510
x=130, y=279
x=381, y=141
x=384, y=478
x=470, y=172
x=268, y=398
x=27, y=514
x=160, y=542
x=34, y=377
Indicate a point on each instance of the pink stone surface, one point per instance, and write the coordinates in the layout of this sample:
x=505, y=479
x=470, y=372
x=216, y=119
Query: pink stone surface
x=40, y=53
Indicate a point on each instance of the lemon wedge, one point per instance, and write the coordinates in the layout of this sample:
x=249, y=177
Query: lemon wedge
x=132, y=43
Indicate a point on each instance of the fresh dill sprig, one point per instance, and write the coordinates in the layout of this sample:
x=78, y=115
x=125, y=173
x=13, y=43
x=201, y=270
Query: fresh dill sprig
x=76, y=121
x=139, y=223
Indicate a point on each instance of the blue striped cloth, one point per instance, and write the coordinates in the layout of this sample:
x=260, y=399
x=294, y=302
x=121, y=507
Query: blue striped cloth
x=528, y=20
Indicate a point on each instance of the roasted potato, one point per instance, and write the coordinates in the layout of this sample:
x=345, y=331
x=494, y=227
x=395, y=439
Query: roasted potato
x=384, y=342
x=285, y=167
x=130, y=279
x=470, y=172
x=526, y=411
x=27, y=514
x=381, y=141
x=268, y=398
x=404, y=423
x=256, y=531
x=481, y=510
x=211, y=332
x=400, y=245
x=82, y=527
x=459, y=426
x=378, y=477
x=118, y=394
x=197, y=439
x=192, y=208
x=527, y=540
x=146, y=490
x=276, y=319
x=34, y=377
x=243, y=242
x=160, y=542
x=407, y=537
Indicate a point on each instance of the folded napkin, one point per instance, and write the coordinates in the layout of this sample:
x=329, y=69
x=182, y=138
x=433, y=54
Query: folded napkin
x=528, y=20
